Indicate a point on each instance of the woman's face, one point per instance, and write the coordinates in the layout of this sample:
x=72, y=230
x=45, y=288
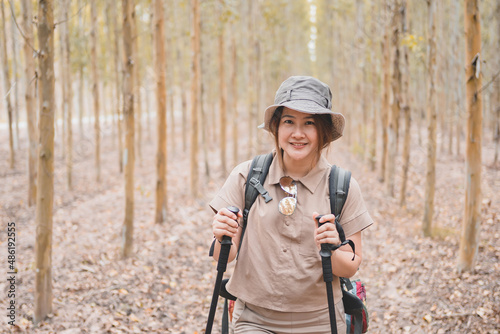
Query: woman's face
x=298, y=137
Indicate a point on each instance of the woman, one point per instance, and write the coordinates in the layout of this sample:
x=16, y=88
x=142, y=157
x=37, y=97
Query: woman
x=278, y=275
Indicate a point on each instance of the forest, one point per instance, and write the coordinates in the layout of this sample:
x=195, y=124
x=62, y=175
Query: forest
x=120, y=120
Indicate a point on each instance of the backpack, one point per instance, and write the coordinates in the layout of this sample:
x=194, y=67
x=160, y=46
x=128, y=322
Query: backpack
x=355, y=309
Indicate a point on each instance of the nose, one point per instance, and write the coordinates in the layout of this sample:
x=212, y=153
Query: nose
x=298, y=132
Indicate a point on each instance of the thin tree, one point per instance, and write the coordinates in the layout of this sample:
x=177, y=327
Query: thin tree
x=117, y=67
x=458, y=73
x=374, y=106
x=128, y=113
x=430, y=184
x=469, y=240
x=182, y=80
x=395, y=107
x=68, y=91
x=137, y=89
x=29, y=74
x=184, y=106
x=384, y=112
x=62, y=82
x=195, y=95
x=171, y=73
x=7, y=84
x=206, y=131
x=13, y=31
x=234, y=98
x=95, y=86
x=251, y=94
x=360, y=75
x=405, y=106
x=497, y=105
x=160, y=74
x=223, y=93
x=81, y=66
x=45, y=193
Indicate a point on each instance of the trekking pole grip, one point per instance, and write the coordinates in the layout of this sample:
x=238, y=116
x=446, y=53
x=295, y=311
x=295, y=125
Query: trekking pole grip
x=226, y=245
x=326, y=249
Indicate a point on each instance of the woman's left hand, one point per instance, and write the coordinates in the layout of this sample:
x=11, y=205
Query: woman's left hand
x=327, y=233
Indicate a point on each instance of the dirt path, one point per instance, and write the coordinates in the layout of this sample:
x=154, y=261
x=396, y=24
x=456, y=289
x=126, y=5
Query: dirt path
x=166, y=286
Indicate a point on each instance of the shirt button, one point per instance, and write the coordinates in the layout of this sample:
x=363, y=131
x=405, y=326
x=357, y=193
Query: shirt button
x=287, y=223
x=284, y=250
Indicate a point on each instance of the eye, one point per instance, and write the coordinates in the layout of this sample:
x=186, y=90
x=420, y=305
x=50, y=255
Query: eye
x=287, y=121
x=310, y=123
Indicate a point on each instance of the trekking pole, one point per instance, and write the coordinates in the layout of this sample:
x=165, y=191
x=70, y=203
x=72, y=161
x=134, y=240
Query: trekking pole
x=225, y=248
x=326, y=261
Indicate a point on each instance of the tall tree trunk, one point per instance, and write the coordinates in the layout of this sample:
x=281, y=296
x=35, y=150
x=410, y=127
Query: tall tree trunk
x=405, y=100
x=497, y=95
x=117, y=78
x=160, y=73
x=81, y=80
x=137, y=90
x=359, y=77
x=114, y=97
x=457, y=74
x=45, y=193
x=469, y=240
x=182, y=84
x=7, y=84
x=440, y=75
x=13, y=31
x=375, y=105
x=195, y=96
x=61, y=98
x=234, y=99
x=81, y=88
x=393, y=128
x=128, y=113
x=68, y=91
x=29, y=74
x=95, y=87
x=430, y=185
x=222, y=92
x=251, y=81
x=171, y=83
x=385, y=98
x=203, y=128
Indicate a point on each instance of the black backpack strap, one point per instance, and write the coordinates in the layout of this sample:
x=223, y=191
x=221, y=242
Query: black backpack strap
x=254, y=186
x=339, y=188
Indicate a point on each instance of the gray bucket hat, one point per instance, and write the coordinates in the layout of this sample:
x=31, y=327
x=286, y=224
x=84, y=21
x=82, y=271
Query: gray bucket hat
x=308, y=95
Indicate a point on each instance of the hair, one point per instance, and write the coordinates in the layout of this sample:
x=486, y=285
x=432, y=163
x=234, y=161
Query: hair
x=324, y=126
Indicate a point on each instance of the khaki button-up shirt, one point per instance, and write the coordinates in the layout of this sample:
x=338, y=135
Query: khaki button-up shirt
x=279, y=266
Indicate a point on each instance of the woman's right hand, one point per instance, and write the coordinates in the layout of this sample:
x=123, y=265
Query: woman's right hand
x=225, y=223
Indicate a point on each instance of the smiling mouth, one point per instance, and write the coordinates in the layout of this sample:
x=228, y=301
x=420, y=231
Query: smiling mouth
x=298, y=144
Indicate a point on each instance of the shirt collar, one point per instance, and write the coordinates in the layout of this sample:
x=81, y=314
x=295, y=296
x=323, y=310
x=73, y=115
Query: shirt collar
x=310, y=181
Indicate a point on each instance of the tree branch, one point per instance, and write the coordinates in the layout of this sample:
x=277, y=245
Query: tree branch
x=78, y=12
x=489, y=83
x=19, y=28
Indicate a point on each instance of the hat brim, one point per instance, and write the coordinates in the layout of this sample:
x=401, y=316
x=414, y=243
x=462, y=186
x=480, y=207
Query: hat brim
x=308, y=107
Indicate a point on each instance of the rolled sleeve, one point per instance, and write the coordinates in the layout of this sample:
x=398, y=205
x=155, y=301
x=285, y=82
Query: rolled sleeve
x=232, y=192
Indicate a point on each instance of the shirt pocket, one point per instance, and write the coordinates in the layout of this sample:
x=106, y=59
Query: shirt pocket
x=307, y=245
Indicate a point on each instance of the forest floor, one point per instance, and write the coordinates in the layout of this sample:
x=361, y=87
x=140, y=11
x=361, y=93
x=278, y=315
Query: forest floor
x=412, y=282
